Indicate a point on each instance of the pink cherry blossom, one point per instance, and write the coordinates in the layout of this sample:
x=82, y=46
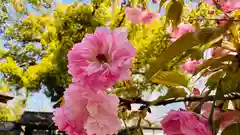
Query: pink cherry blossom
x=103, y=118
x=148, y=17
x=206, y=109
x=180, y=30
x=64, y=123
x=219, y=52
x=226, y=118
x=211, y=3
x=134, y=14
x=137, y=16
x=76, y=99
x=190, y=66
x=226, y=5
x=229, y=118
x=95, y=112
x=184, y=123
x=230, y=5
x=101, y=59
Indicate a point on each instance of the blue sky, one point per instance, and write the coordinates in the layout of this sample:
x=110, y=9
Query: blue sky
x=67, y=1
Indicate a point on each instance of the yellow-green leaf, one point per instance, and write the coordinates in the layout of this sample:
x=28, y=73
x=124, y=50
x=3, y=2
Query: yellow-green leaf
x=214, y=63
x=186, y=42
x=173, y=92
x=236, y=104
x=176, y=92
x=171, y=78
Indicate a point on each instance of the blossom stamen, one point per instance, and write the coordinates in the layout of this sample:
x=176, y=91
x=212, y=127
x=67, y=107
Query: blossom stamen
x=102, y=58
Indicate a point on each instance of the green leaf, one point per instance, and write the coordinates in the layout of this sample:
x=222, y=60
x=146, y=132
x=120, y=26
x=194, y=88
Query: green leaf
x=195, y=53
x=186, y=42
x=171, y=78
x=216, y=125
x=174, y=92
x=174, y=11
x=236, y=104
x=233, y=129
x=213, y=80
x=214, y=63
x=230, y=83
x=223, y=105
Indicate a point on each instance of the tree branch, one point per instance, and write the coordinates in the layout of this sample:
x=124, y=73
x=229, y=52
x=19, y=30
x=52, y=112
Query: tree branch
x=175, y=100
x=217, y=19
x=121, y=21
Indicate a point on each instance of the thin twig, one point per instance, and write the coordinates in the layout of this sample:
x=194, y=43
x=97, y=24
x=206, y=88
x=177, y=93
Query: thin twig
x=121, y=21
x=186, y=99
x=210, y=118
x=125, y=124
x=139, y=126
x=216, y=19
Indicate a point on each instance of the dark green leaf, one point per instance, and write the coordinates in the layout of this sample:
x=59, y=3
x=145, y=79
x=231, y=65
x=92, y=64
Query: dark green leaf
x=195, y=54
x=230, y=83
x=223, y=105
x=216, y=125
x=236, y=104
x=233, y=129
x=174, y=11
x=213, y=80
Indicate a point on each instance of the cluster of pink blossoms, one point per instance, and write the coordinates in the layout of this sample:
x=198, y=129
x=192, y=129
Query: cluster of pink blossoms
x=99, y=61
x=226, y=5
x=179, y=31
x=137, y=15
x=227, y=118
x=185, y=123
x=191, y=65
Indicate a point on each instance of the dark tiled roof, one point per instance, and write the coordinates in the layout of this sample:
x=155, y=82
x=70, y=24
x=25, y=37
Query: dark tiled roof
x=4, y=98
x=36, y=118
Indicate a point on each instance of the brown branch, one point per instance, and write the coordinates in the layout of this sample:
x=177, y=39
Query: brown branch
x=217, y=19
x=175, y=100
x=121, y=21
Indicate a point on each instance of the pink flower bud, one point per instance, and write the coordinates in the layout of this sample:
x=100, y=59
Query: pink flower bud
x=196, y=91
x=155, y=1
x=211, y=11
